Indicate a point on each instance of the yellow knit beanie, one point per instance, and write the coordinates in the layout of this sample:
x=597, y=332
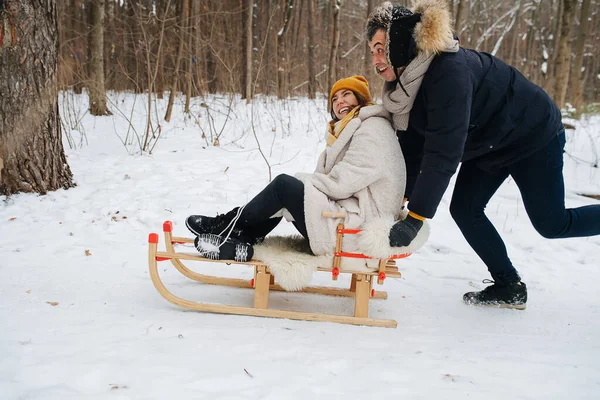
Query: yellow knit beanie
x=357, y=83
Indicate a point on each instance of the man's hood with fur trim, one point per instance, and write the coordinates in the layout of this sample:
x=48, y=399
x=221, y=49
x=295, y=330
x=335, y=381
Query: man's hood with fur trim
x=434, y=32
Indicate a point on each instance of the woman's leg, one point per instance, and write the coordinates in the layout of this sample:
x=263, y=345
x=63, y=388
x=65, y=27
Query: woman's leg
x=283, y=192
x=473, y=190
x=540, y=180
x=255, y=220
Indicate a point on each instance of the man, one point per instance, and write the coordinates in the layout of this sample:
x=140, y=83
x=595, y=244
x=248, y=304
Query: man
x=451, y=104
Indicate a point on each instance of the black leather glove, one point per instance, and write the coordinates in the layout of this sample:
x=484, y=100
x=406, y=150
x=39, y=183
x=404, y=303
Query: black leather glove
x=403, y=232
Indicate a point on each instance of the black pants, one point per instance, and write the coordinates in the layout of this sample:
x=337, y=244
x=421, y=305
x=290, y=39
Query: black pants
x=283, y=192
x=540, y=181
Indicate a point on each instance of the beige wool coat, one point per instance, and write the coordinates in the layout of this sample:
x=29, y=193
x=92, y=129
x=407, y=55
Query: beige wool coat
x=363, y=174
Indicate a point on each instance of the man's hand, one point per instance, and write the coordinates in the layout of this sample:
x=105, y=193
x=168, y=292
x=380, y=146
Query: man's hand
x=403, y=232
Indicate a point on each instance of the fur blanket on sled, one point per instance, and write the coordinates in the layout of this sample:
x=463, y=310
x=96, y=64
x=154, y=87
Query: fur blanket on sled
x=292, y=264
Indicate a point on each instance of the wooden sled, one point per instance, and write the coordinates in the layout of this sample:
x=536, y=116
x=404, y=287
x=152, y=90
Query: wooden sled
x=361, y=286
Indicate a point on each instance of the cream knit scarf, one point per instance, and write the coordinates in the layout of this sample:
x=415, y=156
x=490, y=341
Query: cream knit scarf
x=394, y=98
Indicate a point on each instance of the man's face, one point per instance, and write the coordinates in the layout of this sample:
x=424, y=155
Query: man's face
x=377, y=47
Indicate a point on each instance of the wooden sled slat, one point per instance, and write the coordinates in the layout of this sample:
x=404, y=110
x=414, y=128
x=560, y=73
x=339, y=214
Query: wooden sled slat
x=250, y=311
x=390, y=264
x=193, y=257
x=242, y=283
x=361, y=285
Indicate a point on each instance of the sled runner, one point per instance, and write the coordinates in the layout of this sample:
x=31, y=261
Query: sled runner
x=361, y=286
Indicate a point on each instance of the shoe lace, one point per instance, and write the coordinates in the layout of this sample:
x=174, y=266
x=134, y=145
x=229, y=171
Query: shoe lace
x=231, y=224
x=491, y=288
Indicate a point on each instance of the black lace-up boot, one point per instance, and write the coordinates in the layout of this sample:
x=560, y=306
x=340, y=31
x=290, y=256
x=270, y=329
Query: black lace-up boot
x=218, y=247
x=222, y=223
x=512, y=295
x=201, y=224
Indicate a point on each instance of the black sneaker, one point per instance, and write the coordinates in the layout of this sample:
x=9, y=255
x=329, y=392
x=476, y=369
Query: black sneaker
x=512, y=295
x=216, y=248
x=201, y=224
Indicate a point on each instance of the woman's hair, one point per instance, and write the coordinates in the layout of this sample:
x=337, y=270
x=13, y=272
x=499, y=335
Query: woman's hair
x=362, y=101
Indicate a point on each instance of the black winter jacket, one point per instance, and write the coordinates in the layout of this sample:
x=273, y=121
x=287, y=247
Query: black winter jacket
x=471, y=106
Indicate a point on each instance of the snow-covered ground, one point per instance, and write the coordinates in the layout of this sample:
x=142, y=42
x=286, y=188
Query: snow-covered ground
x=82, y=320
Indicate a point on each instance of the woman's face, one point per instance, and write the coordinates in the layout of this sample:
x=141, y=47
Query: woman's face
x=342, y=102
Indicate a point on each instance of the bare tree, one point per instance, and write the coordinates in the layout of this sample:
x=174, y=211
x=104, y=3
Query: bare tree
x=296, y=39
x=187, y=34
x=335, y=43
x=553, y=39
x=159, y=81
x=461, y=11
x=563, y=57
x=281, y=56
x=97, y=90
x=78, y=52
x=31, y=149
x=514, y=46
x=312, y=78
x=109, y=39
x=368, y=68
x=151, y=76
x=531, y=34
x=577, y=76
x=249, y=4
x=183, y=17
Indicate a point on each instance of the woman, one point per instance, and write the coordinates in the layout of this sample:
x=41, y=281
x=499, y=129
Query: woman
x=352, y=175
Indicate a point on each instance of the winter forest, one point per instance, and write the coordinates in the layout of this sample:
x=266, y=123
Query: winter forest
x=120, y=118
x=300, y=47
x=251, y=48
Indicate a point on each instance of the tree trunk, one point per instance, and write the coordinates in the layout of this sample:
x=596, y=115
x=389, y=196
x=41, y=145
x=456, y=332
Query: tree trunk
x=368, y=67
x=211, y=72
x=271, y=51
x=563, y=57
x=556, y=40
x=530, y=59
x=578, y=77
x=335, y=43
x=182, y=21
x=463, y=6
x=281, y=60
x=64, y=56
x=196, y=71
x=513, y=58
x=592, y=92
x=188, y=57
x=109, y=42
x=312, y=74
x=248, y=49
x=78, y=45
x=31, y=149
x=159, y=82
x=97, y=89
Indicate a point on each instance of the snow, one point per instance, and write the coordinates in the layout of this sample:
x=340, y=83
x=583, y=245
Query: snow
x=82, y=319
